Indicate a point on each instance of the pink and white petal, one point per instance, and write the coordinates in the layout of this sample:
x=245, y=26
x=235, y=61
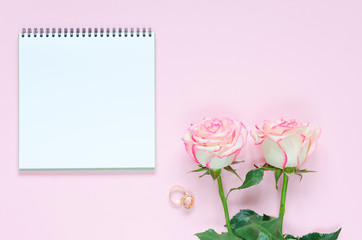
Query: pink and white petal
x=275, y=138
x=258, y=127
x=309, y=131
x=244, y=134
x=231, y=148
x=238, y=142
x=238, y=127
x=187, y=139
x=282, y=127
x=217, y=163
x=208, y=142
x=292, y=145
x=303, y=152
x=313, y=140
x=211, y=149
x=199, y=128
x=269, y=125
x=228, y=135
x=292, y=131
x=226, y=122
x=273, y=154
x=273, y=127
x=227, y=131
x=279, y=130
x=220, y=125
x=203, y=157
x=257, y=135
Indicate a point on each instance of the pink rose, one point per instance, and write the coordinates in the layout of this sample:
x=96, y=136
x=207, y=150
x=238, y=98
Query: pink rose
x=286, y=143
x=215, y=143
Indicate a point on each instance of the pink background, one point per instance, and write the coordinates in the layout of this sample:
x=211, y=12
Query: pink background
x=250, y=60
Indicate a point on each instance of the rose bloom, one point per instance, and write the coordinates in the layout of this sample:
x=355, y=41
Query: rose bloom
x=286, y=143
x=215, y=143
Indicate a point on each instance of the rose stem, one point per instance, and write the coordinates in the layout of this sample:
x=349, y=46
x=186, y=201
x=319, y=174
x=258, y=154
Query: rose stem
x=282, y=200
x=223, y=200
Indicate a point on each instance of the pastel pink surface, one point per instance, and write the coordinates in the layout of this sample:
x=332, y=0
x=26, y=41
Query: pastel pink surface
x=249, y=60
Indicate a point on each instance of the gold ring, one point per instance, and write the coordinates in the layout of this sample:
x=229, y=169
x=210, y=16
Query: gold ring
x=174, y=190
x=187, y=201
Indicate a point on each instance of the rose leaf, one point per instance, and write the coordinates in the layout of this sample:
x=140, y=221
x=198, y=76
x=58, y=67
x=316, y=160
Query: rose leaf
x=212, y=235
x=278, y=173
x=230, y=169
x=260, y=230
x=321, y=236
x=252, y=178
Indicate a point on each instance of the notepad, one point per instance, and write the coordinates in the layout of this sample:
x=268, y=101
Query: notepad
x=86, y=99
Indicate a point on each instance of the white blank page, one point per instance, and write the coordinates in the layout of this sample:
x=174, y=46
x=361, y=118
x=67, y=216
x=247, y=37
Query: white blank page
x=86, y=102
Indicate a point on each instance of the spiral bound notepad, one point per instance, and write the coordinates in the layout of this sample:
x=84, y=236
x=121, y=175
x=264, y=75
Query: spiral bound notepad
x=86, y=99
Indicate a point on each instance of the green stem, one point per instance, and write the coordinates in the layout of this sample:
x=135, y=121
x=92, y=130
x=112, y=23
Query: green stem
x=223, y=200
x=282, y=200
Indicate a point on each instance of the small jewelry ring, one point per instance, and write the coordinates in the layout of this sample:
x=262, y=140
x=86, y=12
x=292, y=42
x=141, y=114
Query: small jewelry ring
x=187, y=201
x=174, y=190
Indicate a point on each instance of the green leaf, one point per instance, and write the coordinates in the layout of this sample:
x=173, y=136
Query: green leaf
x=230, y=169
x=199, y=170
x=278, y=173
x=206, y=173
x=252, y=178
x=299, y=175
x=267, y=218
x=212, y=235
x=290, y=237
x=256, y=229
x=215, y=173
x=299, y=172
x=263, y=236
x=242, y=218
x=321, y=236
x=237, y=162
x=306, y=171
x=269, y=167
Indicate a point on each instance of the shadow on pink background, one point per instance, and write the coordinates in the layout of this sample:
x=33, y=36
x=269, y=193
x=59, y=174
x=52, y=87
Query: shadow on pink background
x=250, y=60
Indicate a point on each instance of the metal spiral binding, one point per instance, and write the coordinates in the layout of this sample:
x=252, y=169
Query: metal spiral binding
x=83, y=32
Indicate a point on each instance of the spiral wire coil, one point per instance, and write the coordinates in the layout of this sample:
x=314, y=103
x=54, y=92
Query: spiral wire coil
x=84, y=32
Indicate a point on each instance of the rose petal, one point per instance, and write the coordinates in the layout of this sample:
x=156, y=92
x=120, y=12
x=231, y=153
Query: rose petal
x=257, y=135
x=211, y=149
x=203, y=157
x=238, y=144
x=273, y=154
x=313, y=140
x=208, y=142
x=292, y=145
x=217, y=163
x=303, y=152
x=187, y=139
x=292, y=131
x=226, y=131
